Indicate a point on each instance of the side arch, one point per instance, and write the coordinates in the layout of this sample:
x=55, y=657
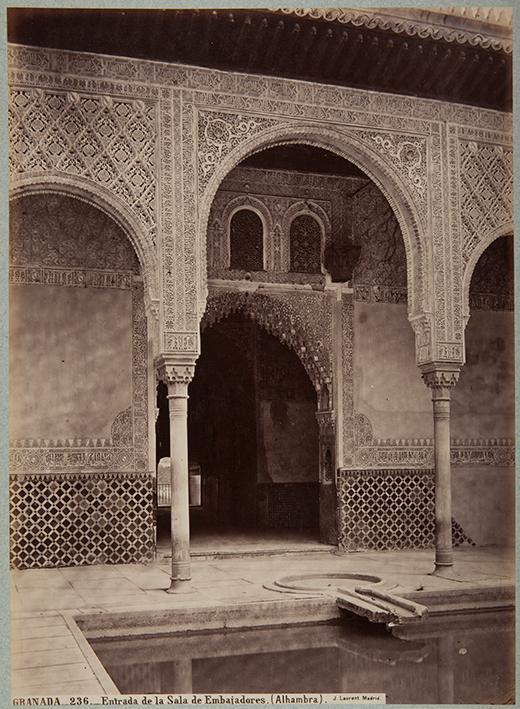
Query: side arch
x=503, y=230
x=353, y=149
x=112, y=206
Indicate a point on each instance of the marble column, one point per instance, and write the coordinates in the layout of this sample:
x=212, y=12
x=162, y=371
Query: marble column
x=441, y=378
x=177, y=372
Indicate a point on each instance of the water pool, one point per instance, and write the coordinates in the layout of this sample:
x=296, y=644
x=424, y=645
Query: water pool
x=464, y=659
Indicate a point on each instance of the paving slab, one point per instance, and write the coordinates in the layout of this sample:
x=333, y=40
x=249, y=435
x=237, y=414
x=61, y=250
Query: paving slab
x=46, y=643
x=99, y=571
x=39, y=675
x=46, y=658
x=77, y=688
x=49, y=599
x=108, y=584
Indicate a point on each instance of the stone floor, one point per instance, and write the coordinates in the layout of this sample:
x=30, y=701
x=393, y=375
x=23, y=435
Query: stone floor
x=50, y=655
x=233, y=541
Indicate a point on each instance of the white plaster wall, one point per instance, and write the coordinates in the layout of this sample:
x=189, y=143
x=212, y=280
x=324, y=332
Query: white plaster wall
x=483, y=502
x=71, y=360
x=483, y=402
x=387, y=383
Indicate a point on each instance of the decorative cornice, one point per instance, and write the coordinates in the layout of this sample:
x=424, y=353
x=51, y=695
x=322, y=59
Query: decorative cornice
x=403, y=454
x=437, y=25
x=59, y=475
x=80, y=71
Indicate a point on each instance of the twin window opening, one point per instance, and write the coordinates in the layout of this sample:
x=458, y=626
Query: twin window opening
x=246, y=243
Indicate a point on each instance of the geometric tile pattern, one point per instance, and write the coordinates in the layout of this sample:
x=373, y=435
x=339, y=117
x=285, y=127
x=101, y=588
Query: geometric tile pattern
x=388, y=509
x=70, y=519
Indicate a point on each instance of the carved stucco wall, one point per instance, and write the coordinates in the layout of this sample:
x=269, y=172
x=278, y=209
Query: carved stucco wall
x=73, y=263
x=197, y=124
x=95, y=145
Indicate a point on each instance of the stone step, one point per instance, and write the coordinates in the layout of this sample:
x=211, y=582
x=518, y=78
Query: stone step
x=380, y=606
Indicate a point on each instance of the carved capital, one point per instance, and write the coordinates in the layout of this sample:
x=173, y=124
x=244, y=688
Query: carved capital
x=176, y=371
x=440, y=378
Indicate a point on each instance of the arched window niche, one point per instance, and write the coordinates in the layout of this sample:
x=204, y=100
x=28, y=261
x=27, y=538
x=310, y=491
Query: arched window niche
x=305, y=235
x=246, y=241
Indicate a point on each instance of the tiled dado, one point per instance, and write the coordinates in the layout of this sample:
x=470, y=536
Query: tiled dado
x=69, y=519
x=391, y=508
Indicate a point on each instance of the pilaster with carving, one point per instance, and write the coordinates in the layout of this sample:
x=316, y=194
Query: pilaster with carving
x=327, y=432
x=327, y=475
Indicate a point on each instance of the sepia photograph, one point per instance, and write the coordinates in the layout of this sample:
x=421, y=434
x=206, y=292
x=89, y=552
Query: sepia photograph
x=261, y=355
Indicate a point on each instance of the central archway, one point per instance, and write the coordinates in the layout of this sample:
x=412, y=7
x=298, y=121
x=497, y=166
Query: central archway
x=353, y=149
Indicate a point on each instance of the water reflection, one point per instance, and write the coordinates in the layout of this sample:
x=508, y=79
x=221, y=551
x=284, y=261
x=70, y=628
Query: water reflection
x=465, y=660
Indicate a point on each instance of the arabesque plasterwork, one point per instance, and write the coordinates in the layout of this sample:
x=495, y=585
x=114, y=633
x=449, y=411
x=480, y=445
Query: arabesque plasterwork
x=347, y=395
x=371, y=452
x=481, y=200
x=196, y=124
x=486, y=190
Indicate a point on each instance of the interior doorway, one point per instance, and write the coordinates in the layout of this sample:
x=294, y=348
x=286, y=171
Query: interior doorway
x=253, y=436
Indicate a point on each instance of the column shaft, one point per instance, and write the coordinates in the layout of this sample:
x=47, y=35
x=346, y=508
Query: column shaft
x=441, y=424
x=180, y=520
x=441, y=378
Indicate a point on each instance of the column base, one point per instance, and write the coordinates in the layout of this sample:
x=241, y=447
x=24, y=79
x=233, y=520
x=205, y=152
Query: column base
x=444, y=557
x=180, y=577
x=442, y=570
x=179, y=586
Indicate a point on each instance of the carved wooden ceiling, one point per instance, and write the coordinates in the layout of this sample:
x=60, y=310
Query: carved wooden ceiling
x=280, y=44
